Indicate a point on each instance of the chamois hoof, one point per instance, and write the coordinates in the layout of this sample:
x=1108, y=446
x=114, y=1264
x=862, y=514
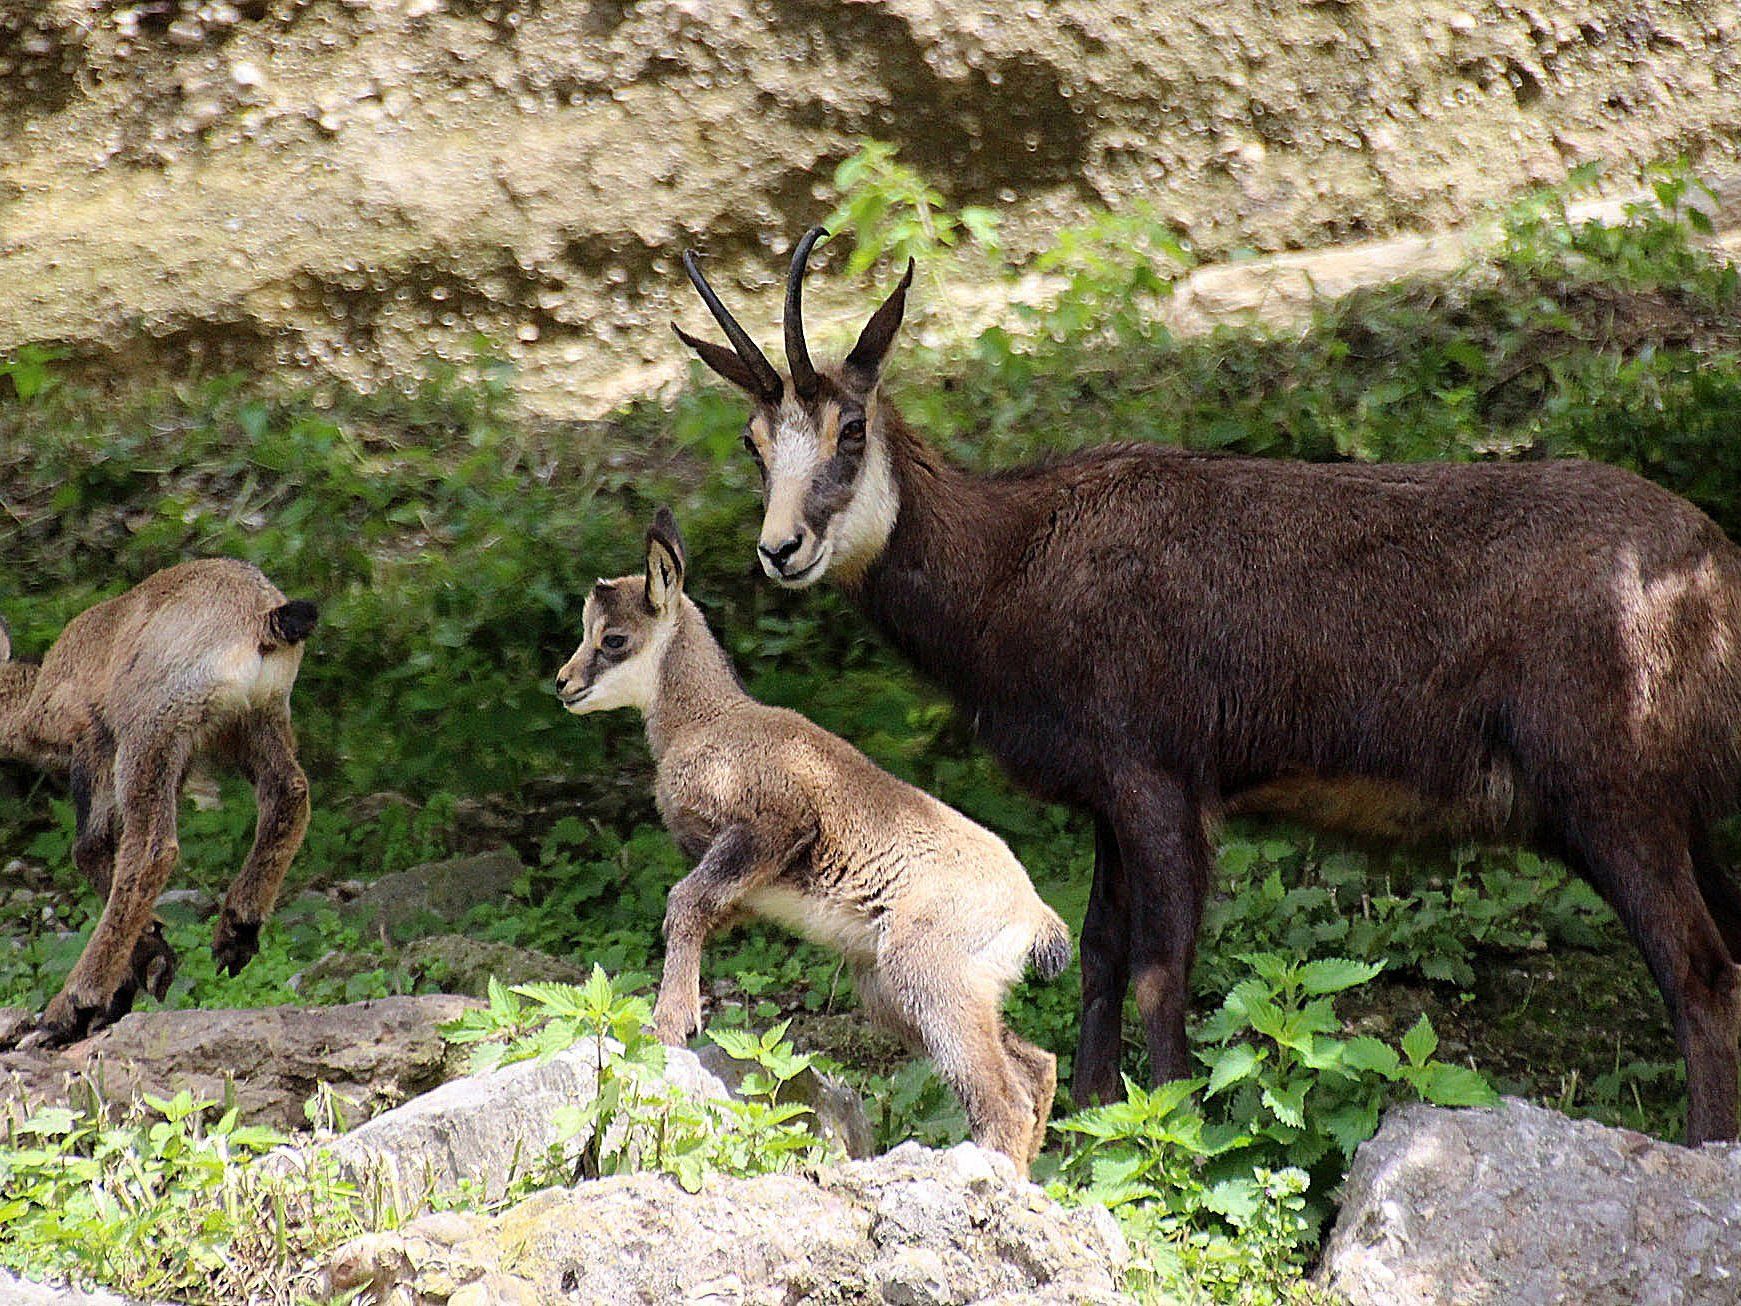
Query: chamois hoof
x=154, y=964
x=234, y=943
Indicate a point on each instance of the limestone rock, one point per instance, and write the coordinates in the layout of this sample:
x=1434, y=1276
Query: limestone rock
x=373, y=1054
x=479, y=1132
x=435, y=891
x=1521, y=1206
x=913, y=1226
x=464, y=965
x=400, y=178
x=16, y=1290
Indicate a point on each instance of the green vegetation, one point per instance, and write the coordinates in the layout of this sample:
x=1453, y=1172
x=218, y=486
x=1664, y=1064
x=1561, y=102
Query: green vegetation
x=450, y=542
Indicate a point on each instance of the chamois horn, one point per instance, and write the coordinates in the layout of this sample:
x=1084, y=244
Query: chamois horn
x=797, y=355
x=767, y=379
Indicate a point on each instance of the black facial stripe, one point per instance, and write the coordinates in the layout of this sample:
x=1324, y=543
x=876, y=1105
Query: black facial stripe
x=831, y=488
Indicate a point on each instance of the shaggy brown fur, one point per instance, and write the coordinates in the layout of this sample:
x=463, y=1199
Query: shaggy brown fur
x=194, y=661
x=1543, y=652
x=789, y=822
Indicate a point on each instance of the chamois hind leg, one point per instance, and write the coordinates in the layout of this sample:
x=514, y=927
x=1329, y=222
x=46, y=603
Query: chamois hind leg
x=1040, y=1068
x=1165, y=854
x=99, y=989
x=266, y=752
x=1717, y=887
x=959, y=1026
x=1647, y=876
x=1105, y=953
x=96, y=828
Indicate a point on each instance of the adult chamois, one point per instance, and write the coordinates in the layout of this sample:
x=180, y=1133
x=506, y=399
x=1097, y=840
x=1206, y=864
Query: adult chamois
x=1547, y=653
x=196, y=661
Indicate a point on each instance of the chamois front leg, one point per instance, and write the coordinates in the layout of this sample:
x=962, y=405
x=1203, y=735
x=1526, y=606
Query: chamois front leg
x=100, y=989
x=736, y=863
x=281, y=796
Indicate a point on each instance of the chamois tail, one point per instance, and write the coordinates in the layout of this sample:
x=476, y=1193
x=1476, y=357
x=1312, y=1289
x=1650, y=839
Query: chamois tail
x=1050, y=953
x=292, y=622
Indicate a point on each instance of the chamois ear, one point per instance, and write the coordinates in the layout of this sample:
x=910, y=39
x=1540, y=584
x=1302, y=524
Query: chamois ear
x=865, y=363
x=723, y=362
x=664, y=563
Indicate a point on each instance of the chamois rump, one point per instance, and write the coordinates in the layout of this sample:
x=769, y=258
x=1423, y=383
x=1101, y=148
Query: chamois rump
x=934, y=913
x=1545, y=653
x=195, y=662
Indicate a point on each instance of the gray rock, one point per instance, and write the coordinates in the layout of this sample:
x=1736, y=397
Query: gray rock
x=18, y=1291
x=395, y=905
x=1520, y=1206
x=371, y=1054
x=464, y=965
x=481, y=1131
x=914, y=1226
x=190, y=905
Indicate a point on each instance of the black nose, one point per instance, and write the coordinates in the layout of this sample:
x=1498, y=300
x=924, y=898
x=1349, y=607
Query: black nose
x=561, y=682
x=779, y=555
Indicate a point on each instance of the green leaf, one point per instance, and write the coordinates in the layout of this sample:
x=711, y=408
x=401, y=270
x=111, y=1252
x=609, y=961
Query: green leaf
x=1420, y=1042
x=1335, y=974
x=1232, y=1065
x=1370, y=1054
x=1444, y=1084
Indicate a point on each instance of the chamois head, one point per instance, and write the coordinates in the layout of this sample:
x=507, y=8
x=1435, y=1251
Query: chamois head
x=827, y=485
x=627, y=625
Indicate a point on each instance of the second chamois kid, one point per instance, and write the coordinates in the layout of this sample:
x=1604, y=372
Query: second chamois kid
x=934, y=914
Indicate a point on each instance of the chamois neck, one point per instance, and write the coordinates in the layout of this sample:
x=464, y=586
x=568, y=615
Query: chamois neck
x=948, y=552
x=696, y=682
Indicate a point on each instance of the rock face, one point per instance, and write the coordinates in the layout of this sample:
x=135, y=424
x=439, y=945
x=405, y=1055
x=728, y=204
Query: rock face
x=914, y=1226
x=395, y=904
x=1520, y=1206
x=480, y=1131
x=355, y=185
x=372, y=1054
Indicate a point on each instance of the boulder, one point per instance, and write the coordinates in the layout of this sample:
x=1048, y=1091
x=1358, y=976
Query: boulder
x=1521, y=1206
x=372, y=1054
x=464, y=965
x=396, y=906
x=16, y=1290
x=913, y=1226
x=477, y=1133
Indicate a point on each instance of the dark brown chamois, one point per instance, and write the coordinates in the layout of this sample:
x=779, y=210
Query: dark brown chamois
x=1546, y=653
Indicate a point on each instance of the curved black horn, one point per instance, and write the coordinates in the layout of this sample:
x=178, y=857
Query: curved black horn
x=797, y=354
x=767, y=379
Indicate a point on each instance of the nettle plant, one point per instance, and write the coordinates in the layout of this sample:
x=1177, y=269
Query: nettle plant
x=1252, y=1149
x=638, y=1120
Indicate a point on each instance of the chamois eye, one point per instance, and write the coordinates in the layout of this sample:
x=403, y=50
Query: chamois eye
x=750, y=445
x=852, y=432
x=613, y=642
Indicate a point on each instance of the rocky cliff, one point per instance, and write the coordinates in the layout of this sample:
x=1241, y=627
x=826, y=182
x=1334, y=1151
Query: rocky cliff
x=357, y=185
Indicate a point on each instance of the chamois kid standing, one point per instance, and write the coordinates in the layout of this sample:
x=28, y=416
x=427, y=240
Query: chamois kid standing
x=935, y=915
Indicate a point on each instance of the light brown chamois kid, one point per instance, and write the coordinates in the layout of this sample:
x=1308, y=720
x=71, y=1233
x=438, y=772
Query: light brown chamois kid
x=194, y=662
x=934, y=913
